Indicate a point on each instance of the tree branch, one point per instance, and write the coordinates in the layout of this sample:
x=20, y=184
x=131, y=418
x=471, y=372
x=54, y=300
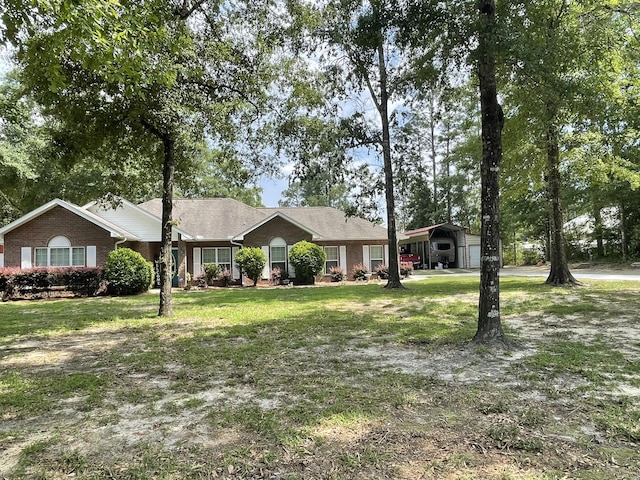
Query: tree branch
x=213, y=89
x=185, y=11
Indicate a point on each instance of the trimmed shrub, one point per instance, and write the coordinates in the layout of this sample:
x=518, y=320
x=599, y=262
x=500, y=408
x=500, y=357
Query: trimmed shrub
x=252, y=261
x=360, y=272
x=5, y=278
x=82, y=281
x=43, y=282
x=337, y=274
x=212, y=272
x=406, y=269
x=7, y=287
x=276, y=276
x=308, y=259
x=226, y=277
x=127, y=272
x=383, y=271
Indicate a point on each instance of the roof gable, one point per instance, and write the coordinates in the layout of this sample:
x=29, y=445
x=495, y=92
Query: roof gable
x=113, y=229
x=143, y=224
x=333, y=224
x=277, y=214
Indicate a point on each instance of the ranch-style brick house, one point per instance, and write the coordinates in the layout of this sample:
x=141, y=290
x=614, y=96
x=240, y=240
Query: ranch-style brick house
x=61, y=234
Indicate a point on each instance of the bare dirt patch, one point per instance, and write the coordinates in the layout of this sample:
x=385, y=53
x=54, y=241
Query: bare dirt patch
x=473, y=412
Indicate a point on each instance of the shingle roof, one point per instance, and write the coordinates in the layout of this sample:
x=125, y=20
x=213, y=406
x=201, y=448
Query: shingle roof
x=332, y=224
x=209, y=218
x=224, y=218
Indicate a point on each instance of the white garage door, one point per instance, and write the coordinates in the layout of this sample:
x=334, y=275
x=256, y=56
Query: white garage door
x=474, y=256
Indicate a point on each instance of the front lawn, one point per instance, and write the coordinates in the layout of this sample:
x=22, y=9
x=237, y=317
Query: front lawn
x=331, y=382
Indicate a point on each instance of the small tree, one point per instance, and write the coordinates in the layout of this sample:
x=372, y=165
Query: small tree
x=308, y=259
x=252, y=261
x=212, y=272
x=127, y=272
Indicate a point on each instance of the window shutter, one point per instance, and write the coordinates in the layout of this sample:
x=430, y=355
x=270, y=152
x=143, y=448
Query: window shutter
x=343, y=258
x=234, y=265
x=386, y=255
x=197, y=261
x=266, y=272
x=292, y=269
x=92, y=256
x=366, y=260
x=25, y=257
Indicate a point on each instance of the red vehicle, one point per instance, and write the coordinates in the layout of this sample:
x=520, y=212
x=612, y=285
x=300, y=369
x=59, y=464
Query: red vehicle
x=412, y=258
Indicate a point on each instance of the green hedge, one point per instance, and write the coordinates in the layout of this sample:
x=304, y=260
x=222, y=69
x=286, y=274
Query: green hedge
x=252, y=260
x=127, y=272
x=41, y=282
x=308, y=259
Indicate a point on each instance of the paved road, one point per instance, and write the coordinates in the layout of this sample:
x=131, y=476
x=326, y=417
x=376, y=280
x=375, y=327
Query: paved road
x=585, y=273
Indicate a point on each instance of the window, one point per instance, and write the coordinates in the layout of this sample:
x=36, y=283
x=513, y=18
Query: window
x=278, y=254
x=441, y=246
x=59, y=257
x=219, y=255
x=42, y=257
x=376, y=256
x=332, y=258
x=77, y=257
x=279, y=257
x=59, y=253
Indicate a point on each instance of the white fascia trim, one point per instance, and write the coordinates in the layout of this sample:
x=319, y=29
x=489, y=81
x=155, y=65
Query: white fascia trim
x=56, y=202
x=205, y=240
x=136, y=208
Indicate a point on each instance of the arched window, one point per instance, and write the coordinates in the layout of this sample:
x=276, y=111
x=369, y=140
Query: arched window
x=59, y=241
x=278, y=254
x=59, y=253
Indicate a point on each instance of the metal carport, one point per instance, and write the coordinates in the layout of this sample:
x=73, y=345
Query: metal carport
x=419, y=241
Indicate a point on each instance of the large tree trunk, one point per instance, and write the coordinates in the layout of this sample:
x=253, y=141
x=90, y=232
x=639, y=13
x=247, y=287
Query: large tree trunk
x=166, y=257
x=559, y=274
x=383, y=107
x=489, y=323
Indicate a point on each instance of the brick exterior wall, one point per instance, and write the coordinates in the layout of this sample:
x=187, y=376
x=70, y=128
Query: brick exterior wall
x=56, y=222
x=277, y=227
x=149, y=250
x=354, y=253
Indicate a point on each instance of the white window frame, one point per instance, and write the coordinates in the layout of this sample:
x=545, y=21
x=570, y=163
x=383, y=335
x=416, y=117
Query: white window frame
x=59, y=245
x=375, y=261
x=333, y=262
x=281, y=264
x=216, y=257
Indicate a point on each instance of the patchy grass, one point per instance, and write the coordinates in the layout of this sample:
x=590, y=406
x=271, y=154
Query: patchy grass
x=334, y=382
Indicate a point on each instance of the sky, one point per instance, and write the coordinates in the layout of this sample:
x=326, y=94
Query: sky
x=271, y=190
